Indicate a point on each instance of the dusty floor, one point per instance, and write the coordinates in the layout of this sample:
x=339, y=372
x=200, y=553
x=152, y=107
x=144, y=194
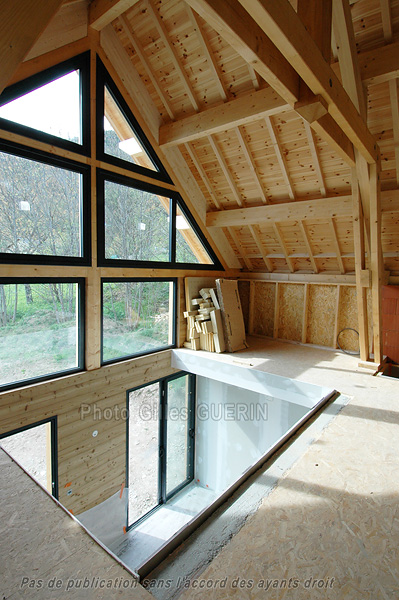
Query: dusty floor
x=330, y=529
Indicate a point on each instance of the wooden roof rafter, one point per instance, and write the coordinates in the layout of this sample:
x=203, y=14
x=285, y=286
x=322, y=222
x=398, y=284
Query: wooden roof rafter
x=226, y=171
x=279, y=237
x=272, y=129
x=103, y=12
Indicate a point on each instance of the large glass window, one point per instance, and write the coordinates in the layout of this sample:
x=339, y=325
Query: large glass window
x=41, y=207
x=138, y=317
x=52, y=105
x=41, y=331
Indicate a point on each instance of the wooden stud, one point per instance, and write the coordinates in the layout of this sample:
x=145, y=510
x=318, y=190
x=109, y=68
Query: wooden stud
x=376, y=261
x=251, y=307
x=305, y=314
x=276, y=310
x=336, y=321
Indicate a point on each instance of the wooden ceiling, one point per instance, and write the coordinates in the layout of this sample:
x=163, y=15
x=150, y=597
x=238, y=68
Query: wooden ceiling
x=225, y=94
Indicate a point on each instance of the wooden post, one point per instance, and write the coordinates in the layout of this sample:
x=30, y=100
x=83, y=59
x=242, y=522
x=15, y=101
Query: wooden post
x=376, y=260
x=361, y=291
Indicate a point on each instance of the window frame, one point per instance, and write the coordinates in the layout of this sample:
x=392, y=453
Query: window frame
x=80, y=326
x=81, y=62
x=103, y=80
x=163, y=497
x=85, y=208
x=175, y=200
x=54, y=448
x=173, y=316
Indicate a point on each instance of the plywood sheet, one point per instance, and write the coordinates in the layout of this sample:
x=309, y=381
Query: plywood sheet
x=321, y=315
x=233, y=322
x=264, y=303
x=291, y=299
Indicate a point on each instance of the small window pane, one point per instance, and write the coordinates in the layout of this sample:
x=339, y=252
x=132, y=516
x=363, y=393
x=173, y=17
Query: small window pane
x=53, y=108
x=38, y=330
x=40, y=208
x=137, y=317
x=136, y=224
x=189, y=248
x=120, y=139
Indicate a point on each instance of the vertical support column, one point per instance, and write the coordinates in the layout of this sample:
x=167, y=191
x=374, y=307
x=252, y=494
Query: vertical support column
x=361, y=292
x=376, y=259
x=93, y=280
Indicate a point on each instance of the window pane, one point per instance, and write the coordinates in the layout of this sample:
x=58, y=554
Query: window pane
x=119, y=137
x=38, y=330
x=143, y=451
x=137, y=317
x=40, y=208
x=136, y=224
x=52, y=108
x=189, y=249
x=177, y=433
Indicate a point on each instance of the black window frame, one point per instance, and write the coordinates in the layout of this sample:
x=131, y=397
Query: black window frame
x=80, y=281
x=81, y=62
x=103, y=80
x=54, y=448
x=162, y=441
x=173, y=316
x=85, y=209
x=175, y=200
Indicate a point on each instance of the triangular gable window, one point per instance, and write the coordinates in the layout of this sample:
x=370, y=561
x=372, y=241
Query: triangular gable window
x=51, y=106
x=189, y=248
x=120, y=139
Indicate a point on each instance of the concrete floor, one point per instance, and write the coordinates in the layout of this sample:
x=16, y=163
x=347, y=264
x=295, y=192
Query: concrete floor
x=330, y=528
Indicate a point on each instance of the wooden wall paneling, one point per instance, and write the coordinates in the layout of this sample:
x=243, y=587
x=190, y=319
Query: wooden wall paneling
x=264, y=308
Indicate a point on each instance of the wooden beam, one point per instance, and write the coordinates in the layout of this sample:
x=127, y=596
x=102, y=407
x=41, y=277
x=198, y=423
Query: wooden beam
x=251, y=163
x=243, y=110
x=164, y=35
x=226, y=170
x=210, y=57
x=376, y=260
x=202, y=173
x=386, y=19
x=102, y=12
x=283, y=26
x=258, y=239
x=242, y=32
x=240, y=248
x=22, y=22
x=324, y=208
x=302, y=227
x=281, y=241
x=380, y=64
x=328, y=129
x=280, y=156
x=336, y=246
x=316, y=15
x=315, y=158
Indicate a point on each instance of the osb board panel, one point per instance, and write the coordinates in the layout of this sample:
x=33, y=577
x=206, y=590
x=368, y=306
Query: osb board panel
x=321, y=315
x=264, y=303
x=347, y=317
x=291, y=299
x=244, y=292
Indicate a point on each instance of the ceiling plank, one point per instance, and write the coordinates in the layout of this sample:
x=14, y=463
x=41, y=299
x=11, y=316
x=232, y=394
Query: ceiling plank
x=234, y=24
x=22, y=22
x=323, y=208
x=138, y=48
x=234, y=113
x=281, y=23
x=251, y=163
x=164, y=35
x=280, y=156
x=102, y=12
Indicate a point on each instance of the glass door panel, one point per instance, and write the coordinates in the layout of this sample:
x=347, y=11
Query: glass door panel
x=177, y=433
x=143, y=451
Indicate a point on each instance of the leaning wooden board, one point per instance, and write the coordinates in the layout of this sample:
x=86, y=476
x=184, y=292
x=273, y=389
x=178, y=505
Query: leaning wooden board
x=233, y=321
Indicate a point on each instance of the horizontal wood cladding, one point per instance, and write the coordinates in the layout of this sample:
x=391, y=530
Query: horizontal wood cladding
x=92, y=468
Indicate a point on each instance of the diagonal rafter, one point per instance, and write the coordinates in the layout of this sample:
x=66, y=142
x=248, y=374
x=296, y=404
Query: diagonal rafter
x=315, y=157
x=251, y=162
x=280, y=240
x=254, y=229
x=226, y=171
x=302, y=227
x=280, y=156
x=203, y=175
x=164, y=35
x=138, y=48
x=240, y=248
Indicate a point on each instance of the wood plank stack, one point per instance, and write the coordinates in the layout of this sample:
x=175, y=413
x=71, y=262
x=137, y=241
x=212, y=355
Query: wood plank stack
x=204, y=323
